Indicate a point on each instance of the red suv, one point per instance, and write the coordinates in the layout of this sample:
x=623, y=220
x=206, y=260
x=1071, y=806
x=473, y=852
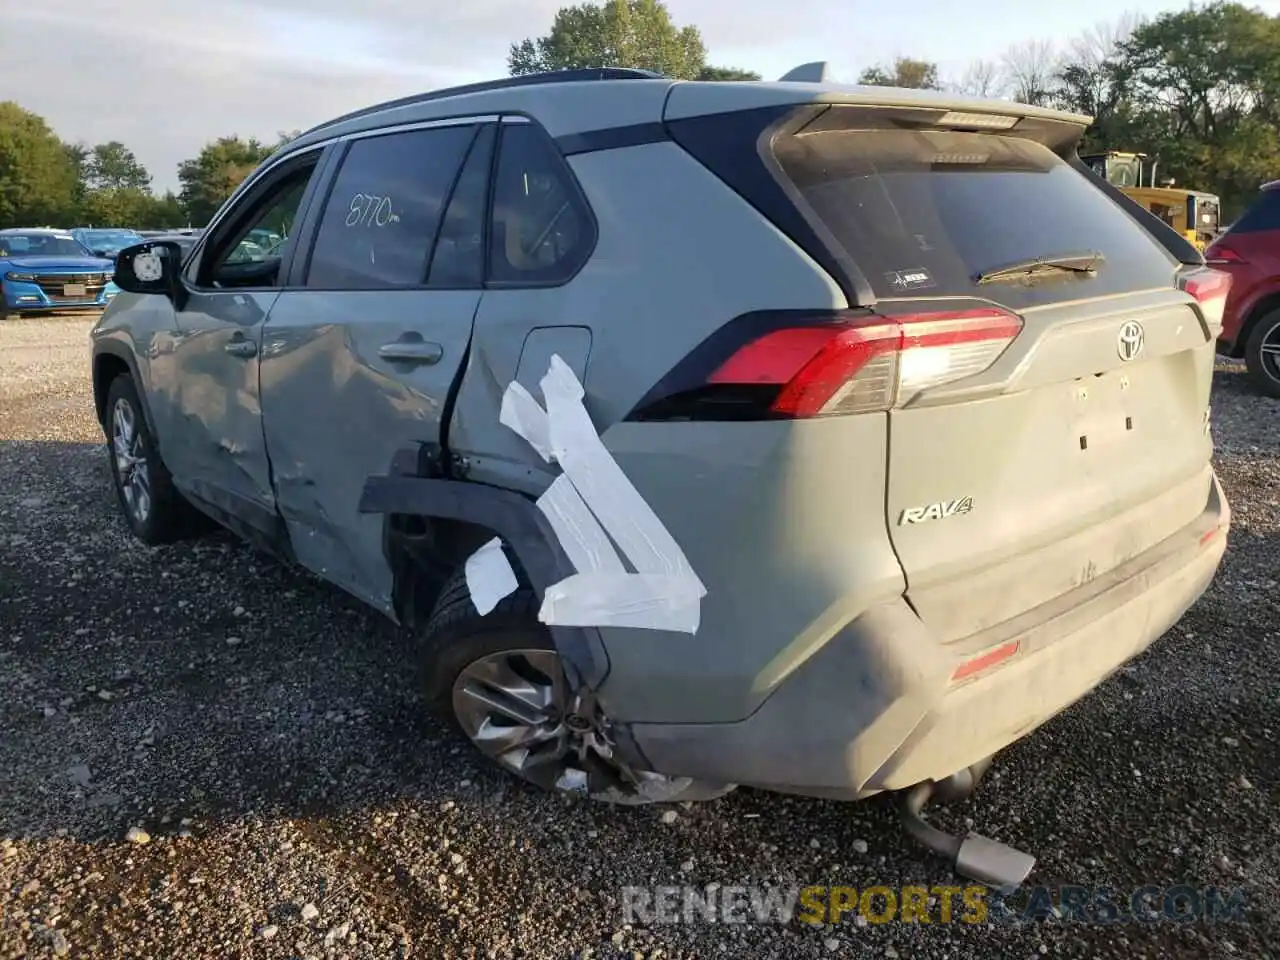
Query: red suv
x=1250, y=252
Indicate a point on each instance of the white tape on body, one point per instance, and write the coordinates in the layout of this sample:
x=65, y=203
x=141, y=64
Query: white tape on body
x=489, y=576
x=602, y=484
x=593, y=495
x=521, y=413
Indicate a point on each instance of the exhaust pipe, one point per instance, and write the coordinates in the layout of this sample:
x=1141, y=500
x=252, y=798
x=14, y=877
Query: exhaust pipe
x=974, y=856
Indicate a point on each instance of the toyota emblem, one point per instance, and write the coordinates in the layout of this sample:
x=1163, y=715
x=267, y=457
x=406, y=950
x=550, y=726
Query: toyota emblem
x=1129, y=343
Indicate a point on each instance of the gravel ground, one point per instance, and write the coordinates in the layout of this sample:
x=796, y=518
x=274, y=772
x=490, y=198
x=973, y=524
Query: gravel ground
x=264, y=733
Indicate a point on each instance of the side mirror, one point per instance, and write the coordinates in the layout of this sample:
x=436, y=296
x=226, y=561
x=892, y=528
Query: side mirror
x=150, y=267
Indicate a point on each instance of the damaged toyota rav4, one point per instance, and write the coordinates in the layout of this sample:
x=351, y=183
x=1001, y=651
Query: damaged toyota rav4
x=816, y=438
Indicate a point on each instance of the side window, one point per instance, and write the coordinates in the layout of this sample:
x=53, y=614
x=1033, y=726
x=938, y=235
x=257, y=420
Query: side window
x=385, y=208
x=458, y=260
x=542, y=230
x=235, y=257
x=1264, y=214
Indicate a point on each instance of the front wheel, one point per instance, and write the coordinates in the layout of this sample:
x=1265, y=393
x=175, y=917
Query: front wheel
x=500, y=680
x=1262, y=354
x=152, y=506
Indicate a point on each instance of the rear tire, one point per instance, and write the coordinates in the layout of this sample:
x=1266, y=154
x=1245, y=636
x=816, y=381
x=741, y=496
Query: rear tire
x=467, y=657
x=153, y=508
x=1262, y=354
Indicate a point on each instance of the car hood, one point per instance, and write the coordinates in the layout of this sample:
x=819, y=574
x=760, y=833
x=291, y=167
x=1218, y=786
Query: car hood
x=86, y=264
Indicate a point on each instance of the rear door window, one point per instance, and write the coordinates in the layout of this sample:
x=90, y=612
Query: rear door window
x=1264, y=214
x=384, y=211
x=925, y=213
x=542, y=230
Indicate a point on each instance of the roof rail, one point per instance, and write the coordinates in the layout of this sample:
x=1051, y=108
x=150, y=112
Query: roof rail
x=524, y=80
x=815, y=72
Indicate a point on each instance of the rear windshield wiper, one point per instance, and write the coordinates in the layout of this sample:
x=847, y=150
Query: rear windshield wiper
x=1079, y=263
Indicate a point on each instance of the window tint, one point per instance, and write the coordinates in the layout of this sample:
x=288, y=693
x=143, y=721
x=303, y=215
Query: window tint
x=384, y=209
x=1264, y=214
x=541, y=230
x=458, y=260
x=923, y=213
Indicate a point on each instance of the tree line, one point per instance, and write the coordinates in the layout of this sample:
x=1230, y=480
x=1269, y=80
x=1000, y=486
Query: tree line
x=1198, y=90
x=46, y=182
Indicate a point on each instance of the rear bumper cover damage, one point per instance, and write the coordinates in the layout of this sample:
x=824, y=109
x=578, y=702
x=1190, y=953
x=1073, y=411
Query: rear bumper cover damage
x=874, y=710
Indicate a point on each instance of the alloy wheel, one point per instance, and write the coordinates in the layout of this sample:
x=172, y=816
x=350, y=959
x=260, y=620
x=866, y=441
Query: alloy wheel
x=516, y=707
x=1269, y=353
x=132, y=472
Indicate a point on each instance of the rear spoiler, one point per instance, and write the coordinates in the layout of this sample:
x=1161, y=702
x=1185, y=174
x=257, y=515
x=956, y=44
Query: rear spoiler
x=1178, y=246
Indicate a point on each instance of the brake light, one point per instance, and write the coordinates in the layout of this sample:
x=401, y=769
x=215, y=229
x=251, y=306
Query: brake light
x=866, y=365
x=1223, y=255
x=1210, y=289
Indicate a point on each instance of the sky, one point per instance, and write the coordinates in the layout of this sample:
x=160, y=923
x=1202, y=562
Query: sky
x=166, y=77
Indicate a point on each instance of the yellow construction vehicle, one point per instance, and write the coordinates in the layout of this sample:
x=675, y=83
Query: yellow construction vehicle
x=1193, y=213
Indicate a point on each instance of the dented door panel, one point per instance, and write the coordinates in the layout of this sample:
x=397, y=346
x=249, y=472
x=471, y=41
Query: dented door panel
x=349, y=378
x=217, y=451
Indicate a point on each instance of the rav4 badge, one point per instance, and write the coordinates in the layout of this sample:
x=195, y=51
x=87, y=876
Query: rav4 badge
x=936, y=511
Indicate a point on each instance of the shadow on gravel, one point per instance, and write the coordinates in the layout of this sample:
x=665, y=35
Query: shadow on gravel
x=150, y=685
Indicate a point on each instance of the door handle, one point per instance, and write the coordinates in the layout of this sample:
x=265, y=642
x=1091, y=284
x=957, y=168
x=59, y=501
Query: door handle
x=241, y=347
x=411, y=351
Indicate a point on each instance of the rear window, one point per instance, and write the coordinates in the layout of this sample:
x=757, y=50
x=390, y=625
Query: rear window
x=924, y=213
x=1264, y=214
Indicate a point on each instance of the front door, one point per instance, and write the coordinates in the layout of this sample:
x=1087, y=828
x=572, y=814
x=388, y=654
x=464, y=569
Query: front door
x=361, y=352
x=218, y=453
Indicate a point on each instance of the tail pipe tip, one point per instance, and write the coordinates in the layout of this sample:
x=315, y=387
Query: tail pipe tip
x=973, y=856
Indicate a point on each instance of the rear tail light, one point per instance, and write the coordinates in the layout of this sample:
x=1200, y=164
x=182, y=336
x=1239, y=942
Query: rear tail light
x=838, y=364
x=1222, y=255
x=1210, y=289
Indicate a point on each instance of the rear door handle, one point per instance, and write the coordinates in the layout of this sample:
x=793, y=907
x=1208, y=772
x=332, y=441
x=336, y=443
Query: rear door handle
x=411, y=351
x=240, y=347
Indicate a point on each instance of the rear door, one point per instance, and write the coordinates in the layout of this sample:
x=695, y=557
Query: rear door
x=1085, y=442
x=361, y=352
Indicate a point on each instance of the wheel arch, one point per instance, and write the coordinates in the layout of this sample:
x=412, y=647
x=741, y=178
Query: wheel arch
x=1266, y=304
x=433, y=521
x=110, y=360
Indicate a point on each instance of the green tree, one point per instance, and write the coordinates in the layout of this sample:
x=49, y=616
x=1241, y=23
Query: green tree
x=904, y=72
x=208, y=179
x=37, y=174
x=162, y=213
x=118, y=207
x=112, y=166
x=726, y=73
x=1201, y=92
x=619, y=33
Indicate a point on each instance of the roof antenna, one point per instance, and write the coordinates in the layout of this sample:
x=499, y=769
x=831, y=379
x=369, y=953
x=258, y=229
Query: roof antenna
x=815, y=72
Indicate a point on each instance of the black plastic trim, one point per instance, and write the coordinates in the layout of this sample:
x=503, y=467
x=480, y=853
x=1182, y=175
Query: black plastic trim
x=513, y=517
x=110, y=347
x=612, y=138
x=737, y=147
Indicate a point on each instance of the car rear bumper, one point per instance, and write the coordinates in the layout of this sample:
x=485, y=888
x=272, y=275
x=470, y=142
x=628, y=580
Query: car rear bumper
x=876, y=709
